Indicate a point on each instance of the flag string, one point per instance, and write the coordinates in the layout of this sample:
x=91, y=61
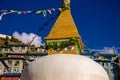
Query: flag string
x=44, y=12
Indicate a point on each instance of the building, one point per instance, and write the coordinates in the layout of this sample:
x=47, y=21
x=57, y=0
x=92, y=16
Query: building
x=64, y=37
x=14, y=48
x=36, y=49
x=18, y=48
x=39, y=49
x=5, y=49
x=12, y=58
x=15, y=65
x=108, y=61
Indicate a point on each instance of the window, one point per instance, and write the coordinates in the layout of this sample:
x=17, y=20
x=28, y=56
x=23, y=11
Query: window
x=15, y=69
x=16, y=63
x=22, y=48
x=9, y=62
x=5, y=49
x=9, y=69
x=5, y=70
x=16, y=48
x=105, y=65
x=111, y=66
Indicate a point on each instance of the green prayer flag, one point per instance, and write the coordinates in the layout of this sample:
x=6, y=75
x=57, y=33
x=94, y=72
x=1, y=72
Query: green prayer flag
x=19, y=12
x=44, y=13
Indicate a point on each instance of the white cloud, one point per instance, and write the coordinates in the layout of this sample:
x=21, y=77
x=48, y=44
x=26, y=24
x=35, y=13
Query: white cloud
x=27, y=38
x=109, y=50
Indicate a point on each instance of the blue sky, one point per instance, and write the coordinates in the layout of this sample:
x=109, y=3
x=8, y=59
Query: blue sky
x=98, y=21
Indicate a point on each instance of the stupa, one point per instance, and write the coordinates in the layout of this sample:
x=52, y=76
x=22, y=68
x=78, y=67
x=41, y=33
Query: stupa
x=64, y=37
x=64, y=67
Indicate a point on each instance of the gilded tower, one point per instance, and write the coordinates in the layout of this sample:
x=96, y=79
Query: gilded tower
x=64, y=37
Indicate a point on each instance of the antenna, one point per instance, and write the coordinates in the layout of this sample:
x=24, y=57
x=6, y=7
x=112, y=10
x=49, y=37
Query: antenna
x=114, y=50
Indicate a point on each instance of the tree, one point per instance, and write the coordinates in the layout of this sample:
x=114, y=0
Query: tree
x=6, y=43
x=7, y=38
x=14, y=39
x=41, y=46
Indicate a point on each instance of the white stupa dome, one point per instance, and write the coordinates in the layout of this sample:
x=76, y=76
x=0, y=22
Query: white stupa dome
x=64, y=67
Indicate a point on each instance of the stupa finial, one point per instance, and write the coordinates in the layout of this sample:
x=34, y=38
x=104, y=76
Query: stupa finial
x=65, y=3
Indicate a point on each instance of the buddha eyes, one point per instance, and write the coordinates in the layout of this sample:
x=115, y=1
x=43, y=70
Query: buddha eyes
x=56, y=49
x=66, y=48
x=69, y=48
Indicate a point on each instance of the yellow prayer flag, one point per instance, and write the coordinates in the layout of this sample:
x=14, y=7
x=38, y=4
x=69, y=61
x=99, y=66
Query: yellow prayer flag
x=38, y=12
x=60, y=9
x=13, y=11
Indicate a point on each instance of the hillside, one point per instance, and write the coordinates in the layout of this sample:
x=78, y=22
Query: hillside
x=8, y=40
x=4, y=36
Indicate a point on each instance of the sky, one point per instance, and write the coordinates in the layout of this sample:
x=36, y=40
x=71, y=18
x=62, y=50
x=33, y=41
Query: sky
x=98, y=21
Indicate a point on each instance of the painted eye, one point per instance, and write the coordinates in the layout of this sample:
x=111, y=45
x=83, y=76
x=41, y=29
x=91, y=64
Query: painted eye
x=55, y=49
x=69, y=48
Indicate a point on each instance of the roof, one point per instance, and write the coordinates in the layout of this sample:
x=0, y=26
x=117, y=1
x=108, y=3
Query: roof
x=38, y=53
x=4, y=46
x=102, y=54
x=17, y=45
x=64, y=27
x=31, y=53
x=108, y=54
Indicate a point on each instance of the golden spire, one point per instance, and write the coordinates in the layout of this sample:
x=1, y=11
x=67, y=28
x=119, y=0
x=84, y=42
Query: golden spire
x=64, y=27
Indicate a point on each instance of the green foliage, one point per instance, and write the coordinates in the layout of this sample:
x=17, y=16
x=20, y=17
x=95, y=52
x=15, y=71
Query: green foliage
x=14, y=39
x=64, y=43
x=7, y=40
x=32, y=48
x=65, y=5
x=41, y=46
x=4, y=55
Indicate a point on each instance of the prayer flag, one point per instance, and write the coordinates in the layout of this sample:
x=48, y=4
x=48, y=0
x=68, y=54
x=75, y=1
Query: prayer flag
x=19, y=12
x=60, y=9
x=24, y=12
x=44, y=13
x=38, y=12
x=49, y=11
x=53, y=9
x=13, y=11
